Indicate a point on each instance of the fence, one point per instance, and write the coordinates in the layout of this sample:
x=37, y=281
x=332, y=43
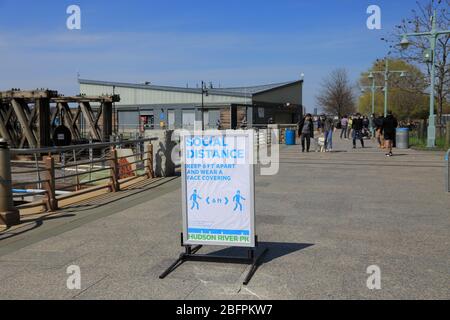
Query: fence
x=418, y=135
x=272, y=133
x=68, y=172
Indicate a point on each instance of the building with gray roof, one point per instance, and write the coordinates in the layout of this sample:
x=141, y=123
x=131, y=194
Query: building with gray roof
x=148, y=106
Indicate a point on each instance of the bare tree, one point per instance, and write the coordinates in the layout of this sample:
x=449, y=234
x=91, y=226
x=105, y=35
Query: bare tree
x=421, y=21
x=336, y=95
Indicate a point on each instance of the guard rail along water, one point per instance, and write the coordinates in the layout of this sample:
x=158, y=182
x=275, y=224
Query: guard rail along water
x=44, y=177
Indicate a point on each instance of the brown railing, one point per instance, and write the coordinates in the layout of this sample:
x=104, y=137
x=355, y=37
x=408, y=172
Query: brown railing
x=52, y=183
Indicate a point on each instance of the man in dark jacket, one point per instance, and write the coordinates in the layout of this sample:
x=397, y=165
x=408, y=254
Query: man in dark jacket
x=306, y=132
x=390, y=125
x=358, y=126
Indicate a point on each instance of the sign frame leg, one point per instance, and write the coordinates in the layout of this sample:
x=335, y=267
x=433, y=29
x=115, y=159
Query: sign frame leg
x=191, y=254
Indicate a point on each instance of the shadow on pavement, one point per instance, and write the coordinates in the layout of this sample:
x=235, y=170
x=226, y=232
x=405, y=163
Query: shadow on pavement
x=72, y=211
x=280, y=249
x=48, y=218
x=109, y=198
x=276, y=250
x=35, y=224
x=380, y=163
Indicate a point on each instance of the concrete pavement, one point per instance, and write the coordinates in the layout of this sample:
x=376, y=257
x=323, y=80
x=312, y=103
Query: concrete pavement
x=325, y=218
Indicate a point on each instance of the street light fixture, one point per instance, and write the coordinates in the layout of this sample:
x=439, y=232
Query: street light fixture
x=373, y=89
x=387, y=74
x=405, y=42
x=430, y=57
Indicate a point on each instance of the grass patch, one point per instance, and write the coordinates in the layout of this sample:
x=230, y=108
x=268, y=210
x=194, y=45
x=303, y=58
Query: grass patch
x=421, y=144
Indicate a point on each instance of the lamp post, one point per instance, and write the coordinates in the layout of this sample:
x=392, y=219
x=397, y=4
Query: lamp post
x=373, y=89
x=204, y=93
x=430, y=57
x=387, y=74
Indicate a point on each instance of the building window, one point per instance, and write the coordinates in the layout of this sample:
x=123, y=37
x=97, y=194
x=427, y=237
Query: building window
x=189, y=119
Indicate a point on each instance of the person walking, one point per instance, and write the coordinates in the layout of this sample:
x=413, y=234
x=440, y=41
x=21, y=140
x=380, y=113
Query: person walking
x=379, y=131
x=350, y=125
x=390, y=125
x=306, y=132
x=366, y=125
x=328, y=129
x=358, y=126
x=344, y=127
x=320, y=124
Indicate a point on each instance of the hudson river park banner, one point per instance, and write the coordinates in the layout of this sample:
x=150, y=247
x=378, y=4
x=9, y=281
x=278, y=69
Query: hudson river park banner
x=218, y=188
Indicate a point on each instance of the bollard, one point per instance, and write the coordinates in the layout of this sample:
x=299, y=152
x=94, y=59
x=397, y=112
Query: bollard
x=150, y=170
x=9, y=215
x=447, y=171
x=50, y=184
x=114, y=165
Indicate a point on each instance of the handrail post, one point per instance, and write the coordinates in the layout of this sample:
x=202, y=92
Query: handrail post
x=9, y=215
x=114, y=165
x=150, y=170
x=50, y=185
x=447, y=173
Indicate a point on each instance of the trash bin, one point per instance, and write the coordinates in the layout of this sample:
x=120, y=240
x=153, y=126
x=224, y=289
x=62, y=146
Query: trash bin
x=447, y=171
x=290, y=137
x=402, y=138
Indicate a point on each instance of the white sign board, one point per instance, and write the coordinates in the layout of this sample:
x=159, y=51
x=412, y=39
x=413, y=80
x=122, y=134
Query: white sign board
x=218, y=188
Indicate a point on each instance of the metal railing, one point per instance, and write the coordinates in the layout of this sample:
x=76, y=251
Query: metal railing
x=55, y=179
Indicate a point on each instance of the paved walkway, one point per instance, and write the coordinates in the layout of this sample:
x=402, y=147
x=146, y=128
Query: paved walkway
x=325, y=218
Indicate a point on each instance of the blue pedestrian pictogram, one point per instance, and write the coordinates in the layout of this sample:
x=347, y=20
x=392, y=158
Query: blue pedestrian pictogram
x=237, y=200
x=195, y=198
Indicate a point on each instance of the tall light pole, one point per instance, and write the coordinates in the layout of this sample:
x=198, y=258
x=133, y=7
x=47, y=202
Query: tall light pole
x=373, y=89
x=387, y=74
x=204, y=92
x=430, y=57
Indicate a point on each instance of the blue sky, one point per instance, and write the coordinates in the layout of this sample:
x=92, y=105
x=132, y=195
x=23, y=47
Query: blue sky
x=231, y=43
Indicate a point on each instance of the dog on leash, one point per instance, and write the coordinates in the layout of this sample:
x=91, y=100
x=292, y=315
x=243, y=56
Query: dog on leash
x=321, y=144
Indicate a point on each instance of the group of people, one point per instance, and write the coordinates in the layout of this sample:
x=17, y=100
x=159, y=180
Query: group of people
x=350, y=124
x=325, y=126
x=357, y=127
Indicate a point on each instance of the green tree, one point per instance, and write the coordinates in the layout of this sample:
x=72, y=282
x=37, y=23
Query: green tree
x=407, y=96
